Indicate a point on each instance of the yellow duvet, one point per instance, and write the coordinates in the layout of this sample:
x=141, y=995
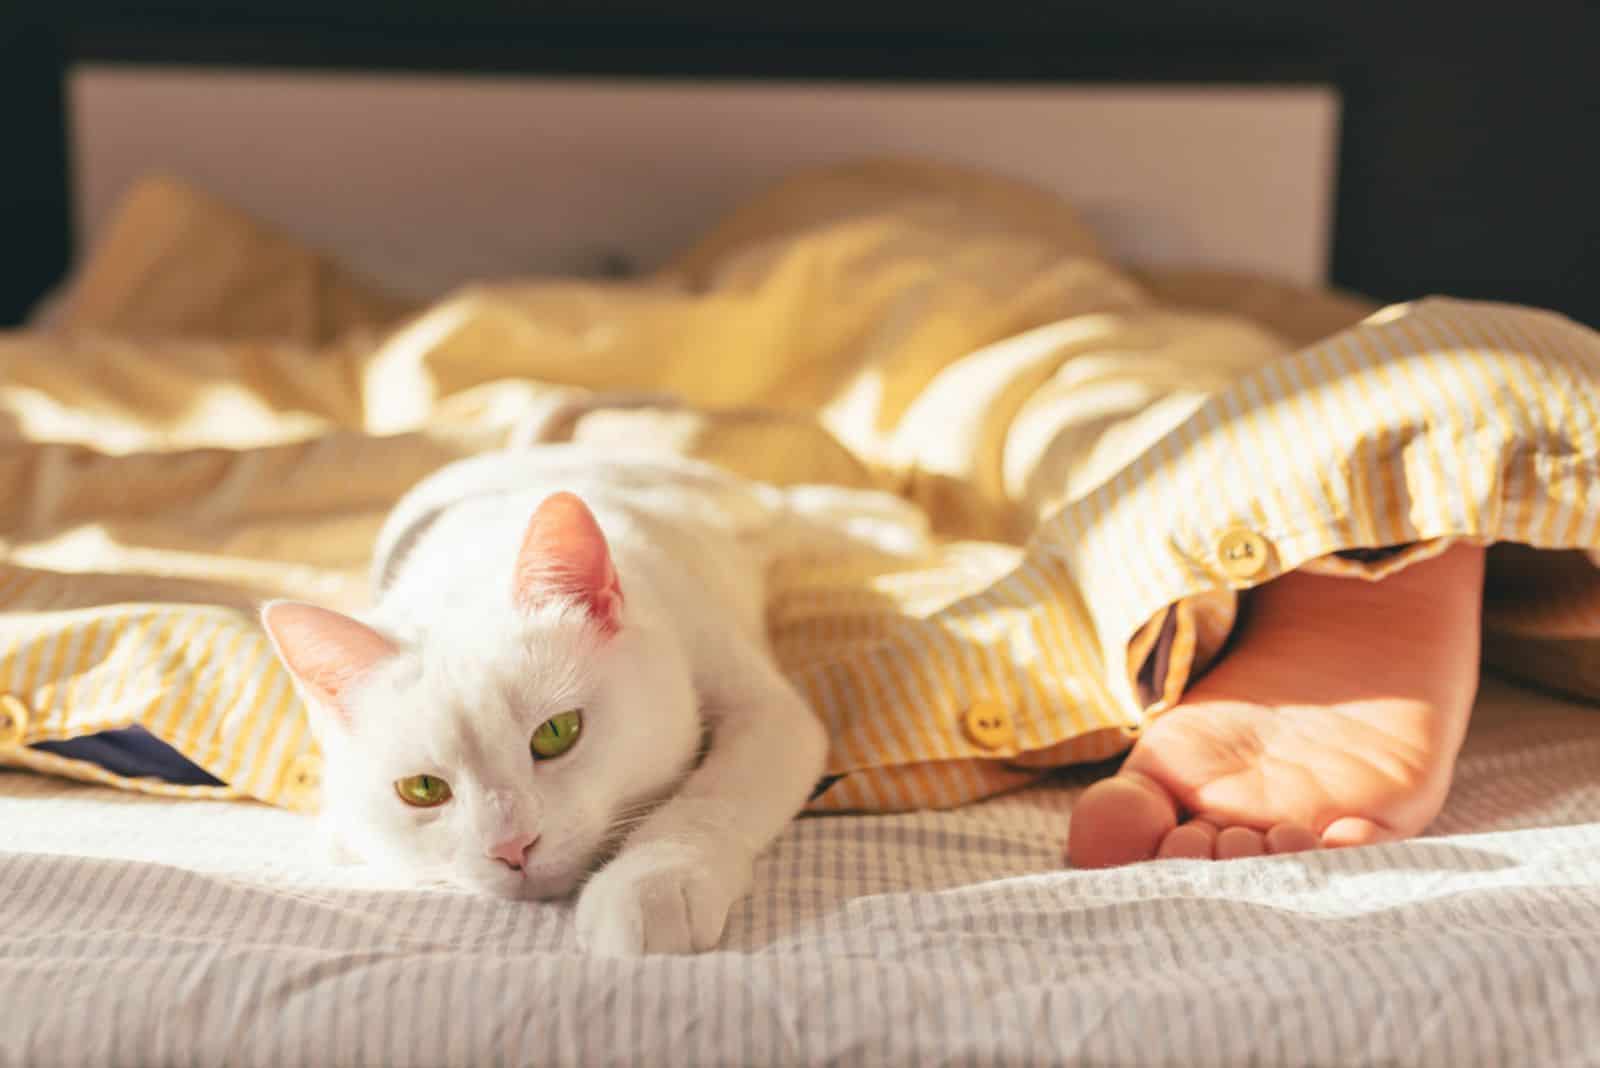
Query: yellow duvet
x=218, y=415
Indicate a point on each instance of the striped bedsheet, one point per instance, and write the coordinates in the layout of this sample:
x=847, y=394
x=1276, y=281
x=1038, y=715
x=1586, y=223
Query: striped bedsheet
x=136, y=930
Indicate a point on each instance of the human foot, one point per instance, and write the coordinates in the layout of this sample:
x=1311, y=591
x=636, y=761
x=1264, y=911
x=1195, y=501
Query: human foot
x=1335, y=720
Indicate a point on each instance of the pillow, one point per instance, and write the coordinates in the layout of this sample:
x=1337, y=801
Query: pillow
x=176, y=261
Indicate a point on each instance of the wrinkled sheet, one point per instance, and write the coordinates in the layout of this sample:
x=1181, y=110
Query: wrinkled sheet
x=142, y=931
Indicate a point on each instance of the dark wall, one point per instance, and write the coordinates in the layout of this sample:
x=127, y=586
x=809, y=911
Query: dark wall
x=1469, y=162
x=33, y=194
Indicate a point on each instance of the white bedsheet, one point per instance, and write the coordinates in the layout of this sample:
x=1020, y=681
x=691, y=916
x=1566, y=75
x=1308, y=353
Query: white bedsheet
x=140, y=931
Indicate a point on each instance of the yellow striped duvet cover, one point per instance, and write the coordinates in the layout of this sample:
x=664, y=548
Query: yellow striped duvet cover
x=1109, y=458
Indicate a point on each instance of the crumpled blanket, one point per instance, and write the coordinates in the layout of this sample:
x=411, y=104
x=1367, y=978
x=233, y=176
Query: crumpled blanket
x=218, y=414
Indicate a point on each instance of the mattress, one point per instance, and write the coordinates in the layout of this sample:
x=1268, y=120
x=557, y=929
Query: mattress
x=138, y=930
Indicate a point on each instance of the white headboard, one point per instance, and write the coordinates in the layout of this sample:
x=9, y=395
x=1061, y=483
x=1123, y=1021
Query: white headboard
x=425, y=181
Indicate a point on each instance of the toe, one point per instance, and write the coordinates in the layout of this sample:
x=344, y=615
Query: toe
x=1291, y=838
x=1354, y=831
x=1234, y=843
x=1120, y=820
x=1195, y=840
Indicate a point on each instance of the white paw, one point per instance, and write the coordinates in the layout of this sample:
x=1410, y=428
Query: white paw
x=660, y=897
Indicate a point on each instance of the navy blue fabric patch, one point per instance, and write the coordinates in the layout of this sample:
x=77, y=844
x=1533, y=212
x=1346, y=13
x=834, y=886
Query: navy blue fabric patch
x=133, y=753
x=822, y=786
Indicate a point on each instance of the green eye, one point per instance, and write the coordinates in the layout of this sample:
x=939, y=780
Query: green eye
x=557, y=734
x=423, y=791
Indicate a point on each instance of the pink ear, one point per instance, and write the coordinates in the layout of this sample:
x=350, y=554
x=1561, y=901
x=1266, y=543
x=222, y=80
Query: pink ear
x=564, y=554
x=324, y=650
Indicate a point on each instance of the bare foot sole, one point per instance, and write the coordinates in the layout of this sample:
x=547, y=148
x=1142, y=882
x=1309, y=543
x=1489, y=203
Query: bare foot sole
x=1335, y=720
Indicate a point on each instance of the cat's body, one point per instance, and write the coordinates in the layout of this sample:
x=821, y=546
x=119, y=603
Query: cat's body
x=504, y=604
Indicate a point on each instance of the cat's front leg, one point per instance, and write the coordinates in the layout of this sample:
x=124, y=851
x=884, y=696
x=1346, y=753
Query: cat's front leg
x=665, y=895
x=671, y=886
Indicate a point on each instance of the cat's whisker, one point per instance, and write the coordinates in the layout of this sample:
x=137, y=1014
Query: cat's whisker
x=630, y=821
x=635, y=807
x=625, y=823
x=633, y=817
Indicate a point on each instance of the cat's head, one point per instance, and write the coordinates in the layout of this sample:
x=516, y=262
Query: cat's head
x=502, y=746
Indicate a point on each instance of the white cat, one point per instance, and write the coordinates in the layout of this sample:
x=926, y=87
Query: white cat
x=567, y=654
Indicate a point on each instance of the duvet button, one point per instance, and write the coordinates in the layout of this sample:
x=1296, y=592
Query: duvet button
x=1243, y=553
x=989, y=724
x=13, y=721
x=304, y=780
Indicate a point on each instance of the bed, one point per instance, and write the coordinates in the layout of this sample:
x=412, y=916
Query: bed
x=203, y=933
x=142, y=930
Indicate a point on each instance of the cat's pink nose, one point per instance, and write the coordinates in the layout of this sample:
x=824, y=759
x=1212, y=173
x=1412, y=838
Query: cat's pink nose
x=512, y=850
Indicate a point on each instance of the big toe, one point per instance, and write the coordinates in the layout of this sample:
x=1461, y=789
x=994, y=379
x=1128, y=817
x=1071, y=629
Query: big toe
x=1120, y=820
